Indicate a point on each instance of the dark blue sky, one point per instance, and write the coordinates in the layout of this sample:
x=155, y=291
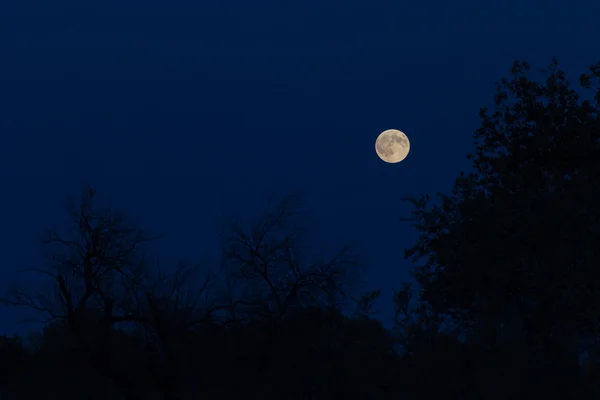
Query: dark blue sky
x=183, y=111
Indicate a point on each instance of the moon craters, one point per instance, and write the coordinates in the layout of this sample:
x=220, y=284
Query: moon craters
x=392, y=146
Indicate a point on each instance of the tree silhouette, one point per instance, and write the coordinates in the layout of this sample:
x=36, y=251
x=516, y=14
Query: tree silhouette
x=270, y=260
x=511, y=251
x=14, y=361
x=270, y=274
x=146, y=331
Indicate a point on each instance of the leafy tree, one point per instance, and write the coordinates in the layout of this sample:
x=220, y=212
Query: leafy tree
x=520, y=228
x=511, y=252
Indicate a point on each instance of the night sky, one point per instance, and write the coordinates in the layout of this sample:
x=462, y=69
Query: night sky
x=182, y=112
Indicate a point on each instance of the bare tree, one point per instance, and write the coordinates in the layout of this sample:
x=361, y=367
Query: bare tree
x=100, y=278
x=175, y=306
x=98, y=267
x=270, y=273
x=269, y=270
x=95, y=273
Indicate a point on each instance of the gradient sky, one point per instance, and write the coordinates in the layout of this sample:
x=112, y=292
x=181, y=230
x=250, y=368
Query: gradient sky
x=183, y=111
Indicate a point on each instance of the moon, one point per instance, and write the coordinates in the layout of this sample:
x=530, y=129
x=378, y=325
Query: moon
x=392, y=146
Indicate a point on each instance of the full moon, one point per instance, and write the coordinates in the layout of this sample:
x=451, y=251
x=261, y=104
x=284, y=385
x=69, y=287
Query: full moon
x=392, y=146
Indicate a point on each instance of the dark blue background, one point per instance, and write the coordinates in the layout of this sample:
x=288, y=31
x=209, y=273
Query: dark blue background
x=184, y=111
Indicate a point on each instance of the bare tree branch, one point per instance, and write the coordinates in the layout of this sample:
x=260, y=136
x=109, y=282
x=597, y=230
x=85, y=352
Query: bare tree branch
x=267, y=258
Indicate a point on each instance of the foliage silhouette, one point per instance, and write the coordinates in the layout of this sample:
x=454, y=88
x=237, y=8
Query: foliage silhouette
x=510, y=253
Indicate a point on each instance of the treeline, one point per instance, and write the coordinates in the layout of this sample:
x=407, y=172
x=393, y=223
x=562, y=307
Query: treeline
x=507, y=303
